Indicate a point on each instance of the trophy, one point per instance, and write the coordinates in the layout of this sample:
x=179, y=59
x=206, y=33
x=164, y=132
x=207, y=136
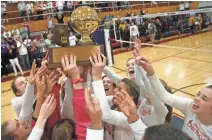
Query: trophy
x=84, y=20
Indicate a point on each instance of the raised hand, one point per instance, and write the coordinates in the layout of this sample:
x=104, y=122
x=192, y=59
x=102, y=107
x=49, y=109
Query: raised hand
x=45, y=62
x=32, y=73
x=142, y=61
x=70, y=66
x=94, y=110
x=40, y=79
x=126, y=105
x=47, y=107
x=98, y=62
x=52, y=80
x=137, y=43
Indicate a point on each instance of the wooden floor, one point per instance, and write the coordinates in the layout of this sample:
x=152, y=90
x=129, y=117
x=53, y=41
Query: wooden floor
x=179, y=68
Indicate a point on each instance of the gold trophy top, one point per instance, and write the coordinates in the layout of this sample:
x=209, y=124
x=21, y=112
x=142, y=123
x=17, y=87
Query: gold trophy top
x=84, y=20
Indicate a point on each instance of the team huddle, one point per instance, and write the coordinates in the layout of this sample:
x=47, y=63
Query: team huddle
x=94, y=103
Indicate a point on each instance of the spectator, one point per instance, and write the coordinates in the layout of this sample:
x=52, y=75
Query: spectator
x=152, y=31
x=42, y=48
x=139, y=20
x=142, y=29
x=33, y=50
x=72, y=40
x=45, y=33
x=40, y=10
x=76, y=3
x=27, y=42
x=182, y=6
x=23, y=32
x=159, y=28
x=187, y=6
x=11, y=41
x=3, y=9
x=180, y=25
x=134, y=33
x=23, y=54
x=50, y=21
x=15, y=32
x=49, y=6
x=30, y=8
x=7, y=34
x=54, y=4
x=125, y=4
x=59, y=18
x=12, y=55
x=198, y=23
x=45, y=8
x=191, y=23
x=69, y=5
x=142, y=12
x=22, y=8
x=122, y=27
x=4, y=57
x=104, y=4
x=27, y=27
x=59, y=5
x=126, y=37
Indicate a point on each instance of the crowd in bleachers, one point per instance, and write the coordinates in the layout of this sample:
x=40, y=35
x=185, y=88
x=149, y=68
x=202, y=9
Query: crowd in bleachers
x=38, y=10
x=156, y=28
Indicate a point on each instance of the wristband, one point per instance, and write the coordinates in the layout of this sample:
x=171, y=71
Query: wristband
x=76, y=81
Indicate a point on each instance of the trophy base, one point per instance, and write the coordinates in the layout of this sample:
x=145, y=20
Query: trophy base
x=83, y=52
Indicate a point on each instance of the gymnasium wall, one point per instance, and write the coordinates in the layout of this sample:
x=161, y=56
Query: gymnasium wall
x=40, y=25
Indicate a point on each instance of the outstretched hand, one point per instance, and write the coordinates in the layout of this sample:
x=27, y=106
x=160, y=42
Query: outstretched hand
x=137, y=43
x=47, y=107
x=69, y=65
x=142, y=61
x=94, y=110
x=98, y=62
x=40, y=79
x=126, y=105
x=32, y=73
x=52, y=80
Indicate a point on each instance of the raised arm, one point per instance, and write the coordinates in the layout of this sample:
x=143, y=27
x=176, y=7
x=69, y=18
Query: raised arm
x=109, y=116
x=28, y=97
x=112, y=75
x=179, y=103
x=67, y=106
x=46, y=110
x=81, y=117
x=128, y=107
x=41, y=88
x=96, y=131
x=159, y=106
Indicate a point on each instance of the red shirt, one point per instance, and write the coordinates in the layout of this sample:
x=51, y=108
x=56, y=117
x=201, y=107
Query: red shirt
x=82, y=119
x=26, y=25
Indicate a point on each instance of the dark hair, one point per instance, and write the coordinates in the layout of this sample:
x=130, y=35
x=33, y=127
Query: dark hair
x=169, y=115
x=63, y=130
x=164, y=132
x=114, y=85
x=210, y=87
x=13, y=86
x=4, y=135
x=133, y=89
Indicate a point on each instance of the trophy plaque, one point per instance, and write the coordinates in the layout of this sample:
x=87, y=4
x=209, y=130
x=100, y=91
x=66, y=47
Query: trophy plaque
x=84, y=20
